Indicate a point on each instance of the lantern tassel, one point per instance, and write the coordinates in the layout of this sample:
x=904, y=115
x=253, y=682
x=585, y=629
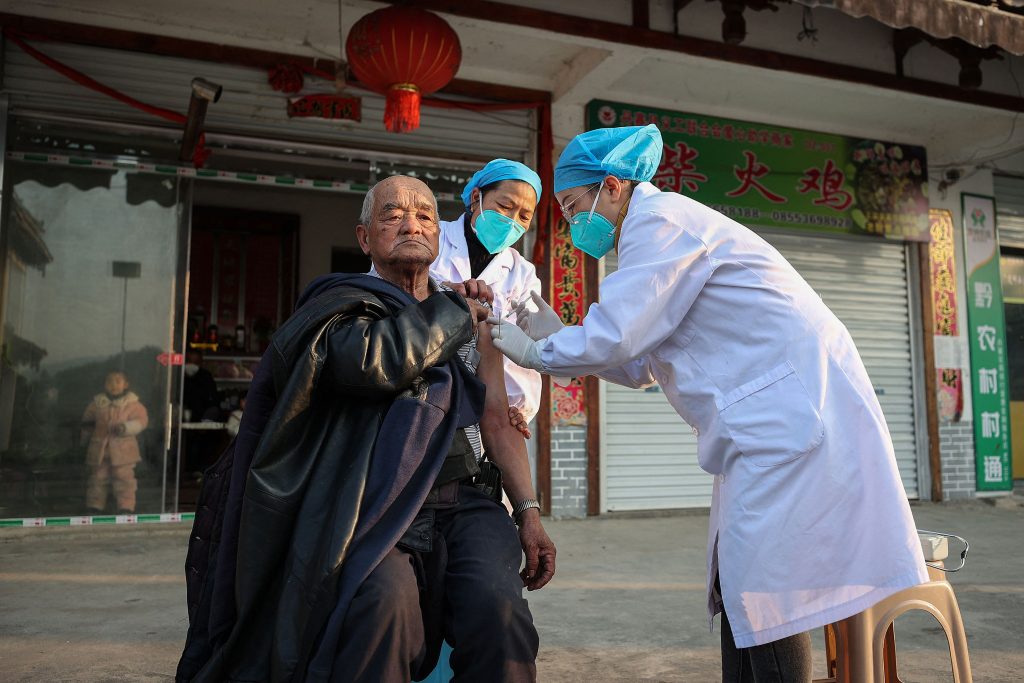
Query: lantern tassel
x=402, y=108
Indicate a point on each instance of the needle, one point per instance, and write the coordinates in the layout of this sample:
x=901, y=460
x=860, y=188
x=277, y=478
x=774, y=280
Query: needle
x=499, y=315
x=506, y=314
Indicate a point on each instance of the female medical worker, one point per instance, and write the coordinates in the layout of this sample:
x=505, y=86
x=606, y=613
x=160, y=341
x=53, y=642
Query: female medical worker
x=500, y=200
x=809, y=521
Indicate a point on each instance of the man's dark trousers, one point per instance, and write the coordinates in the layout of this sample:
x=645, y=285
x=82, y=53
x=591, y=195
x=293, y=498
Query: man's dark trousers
x=461, y=583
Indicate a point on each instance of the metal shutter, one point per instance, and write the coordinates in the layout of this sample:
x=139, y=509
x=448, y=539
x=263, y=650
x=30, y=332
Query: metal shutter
x=651, y=454
x=1010, y=207
x=864, y=282
x=248, y=106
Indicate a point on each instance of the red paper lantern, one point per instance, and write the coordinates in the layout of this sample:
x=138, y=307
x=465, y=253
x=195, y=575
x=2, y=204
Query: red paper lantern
x=403, y=53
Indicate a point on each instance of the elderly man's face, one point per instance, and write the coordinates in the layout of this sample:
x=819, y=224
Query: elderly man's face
x=404, y=229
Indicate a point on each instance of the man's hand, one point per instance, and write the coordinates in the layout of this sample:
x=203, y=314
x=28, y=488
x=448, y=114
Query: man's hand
x=516, y=419
x=539, y=551
x=473, y=289
x=478, y=311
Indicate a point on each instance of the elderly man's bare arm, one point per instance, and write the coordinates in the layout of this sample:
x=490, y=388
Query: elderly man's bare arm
x=507, y=449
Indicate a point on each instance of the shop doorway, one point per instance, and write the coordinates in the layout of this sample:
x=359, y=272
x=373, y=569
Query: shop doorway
x=252, y=252
x=242, y=279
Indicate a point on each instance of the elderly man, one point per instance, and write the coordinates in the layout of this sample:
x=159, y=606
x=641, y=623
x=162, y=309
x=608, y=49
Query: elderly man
x=349, y=530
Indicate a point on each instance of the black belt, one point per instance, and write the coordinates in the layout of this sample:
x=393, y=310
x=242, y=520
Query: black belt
x=445, y=495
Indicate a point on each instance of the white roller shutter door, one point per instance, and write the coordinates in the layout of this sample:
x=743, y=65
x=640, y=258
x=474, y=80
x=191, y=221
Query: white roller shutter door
x=248, y=106
x=650, y=454
x=1010, y=210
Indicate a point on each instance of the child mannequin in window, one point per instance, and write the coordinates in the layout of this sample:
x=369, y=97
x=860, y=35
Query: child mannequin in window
x=115, y=417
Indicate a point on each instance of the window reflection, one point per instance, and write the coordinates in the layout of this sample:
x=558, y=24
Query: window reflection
x=88, y=308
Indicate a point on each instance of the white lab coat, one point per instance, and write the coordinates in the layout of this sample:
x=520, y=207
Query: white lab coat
x=512, y=278
x=809, y=521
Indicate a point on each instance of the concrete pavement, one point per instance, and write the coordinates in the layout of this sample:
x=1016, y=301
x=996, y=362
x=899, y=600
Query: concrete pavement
x=627, y=604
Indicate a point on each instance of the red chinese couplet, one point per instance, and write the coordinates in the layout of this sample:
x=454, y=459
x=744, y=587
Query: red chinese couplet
x=942, y=258
x=567, y=278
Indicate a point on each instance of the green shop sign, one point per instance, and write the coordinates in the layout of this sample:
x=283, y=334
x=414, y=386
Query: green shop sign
x=989, y=374
x=783, y=177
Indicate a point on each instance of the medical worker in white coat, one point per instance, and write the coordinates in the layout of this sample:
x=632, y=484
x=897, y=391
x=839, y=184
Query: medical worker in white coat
x=500, y=201
x=809, y=521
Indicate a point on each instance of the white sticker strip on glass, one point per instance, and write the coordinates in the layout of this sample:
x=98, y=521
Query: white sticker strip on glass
x=200, y=173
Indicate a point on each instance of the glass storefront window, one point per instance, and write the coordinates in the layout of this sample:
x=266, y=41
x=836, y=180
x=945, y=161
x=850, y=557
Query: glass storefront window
x=90, y=311
x=94, y=269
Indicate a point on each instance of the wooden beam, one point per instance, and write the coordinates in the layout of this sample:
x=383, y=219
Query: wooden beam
x=543, y=437
x=677, y=7
x=494, y=91
x=931, y=400
x=97, y=36
x=83, y=34
x=642, y=14
x=542, y=260
x=542, y=433
x=611, y=32
x=592, y=392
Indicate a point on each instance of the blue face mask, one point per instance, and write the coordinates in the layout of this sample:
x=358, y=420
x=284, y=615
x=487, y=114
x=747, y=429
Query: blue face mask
x=496, y=231
x=592, y=233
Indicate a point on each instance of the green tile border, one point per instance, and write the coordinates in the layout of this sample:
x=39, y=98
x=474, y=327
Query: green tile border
x=89, y=520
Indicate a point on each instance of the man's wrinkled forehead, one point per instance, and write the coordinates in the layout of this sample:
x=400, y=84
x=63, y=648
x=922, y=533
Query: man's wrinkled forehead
x=408, y=196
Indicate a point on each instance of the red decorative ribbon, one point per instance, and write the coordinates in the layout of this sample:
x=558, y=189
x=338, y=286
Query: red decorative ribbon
x=286, y=77
x=201, y=152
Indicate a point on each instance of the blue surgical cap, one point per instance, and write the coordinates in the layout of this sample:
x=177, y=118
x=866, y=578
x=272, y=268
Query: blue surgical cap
x=628, y=152
x=498, y=170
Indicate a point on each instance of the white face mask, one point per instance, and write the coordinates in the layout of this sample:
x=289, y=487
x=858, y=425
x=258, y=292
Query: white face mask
x=191, y=369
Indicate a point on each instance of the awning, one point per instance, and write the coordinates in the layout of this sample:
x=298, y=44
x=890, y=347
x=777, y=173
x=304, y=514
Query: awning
x=21, y=351
x=980, y=25
x=27, y=237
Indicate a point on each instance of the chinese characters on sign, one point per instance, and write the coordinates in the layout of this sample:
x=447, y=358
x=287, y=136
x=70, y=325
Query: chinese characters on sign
x=326, y=107
x=677, y=169
x=989, y=375
x=748, y=176
x=983, y=294
x=771, y=176
x=567, y=278
x=942, y=258
x=827, y=183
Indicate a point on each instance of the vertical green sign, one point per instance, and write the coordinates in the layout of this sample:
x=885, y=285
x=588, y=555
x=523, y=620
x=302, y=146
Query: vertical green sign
x=989, y=375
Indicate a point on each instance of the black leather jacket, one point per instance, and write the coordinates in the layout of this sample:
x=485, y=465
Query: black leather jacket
x=310, y=496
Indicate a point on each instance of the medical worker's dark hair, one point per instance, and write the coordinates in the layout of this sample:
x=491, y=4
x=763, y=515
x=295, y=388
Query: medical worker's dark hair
x=484, y=189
